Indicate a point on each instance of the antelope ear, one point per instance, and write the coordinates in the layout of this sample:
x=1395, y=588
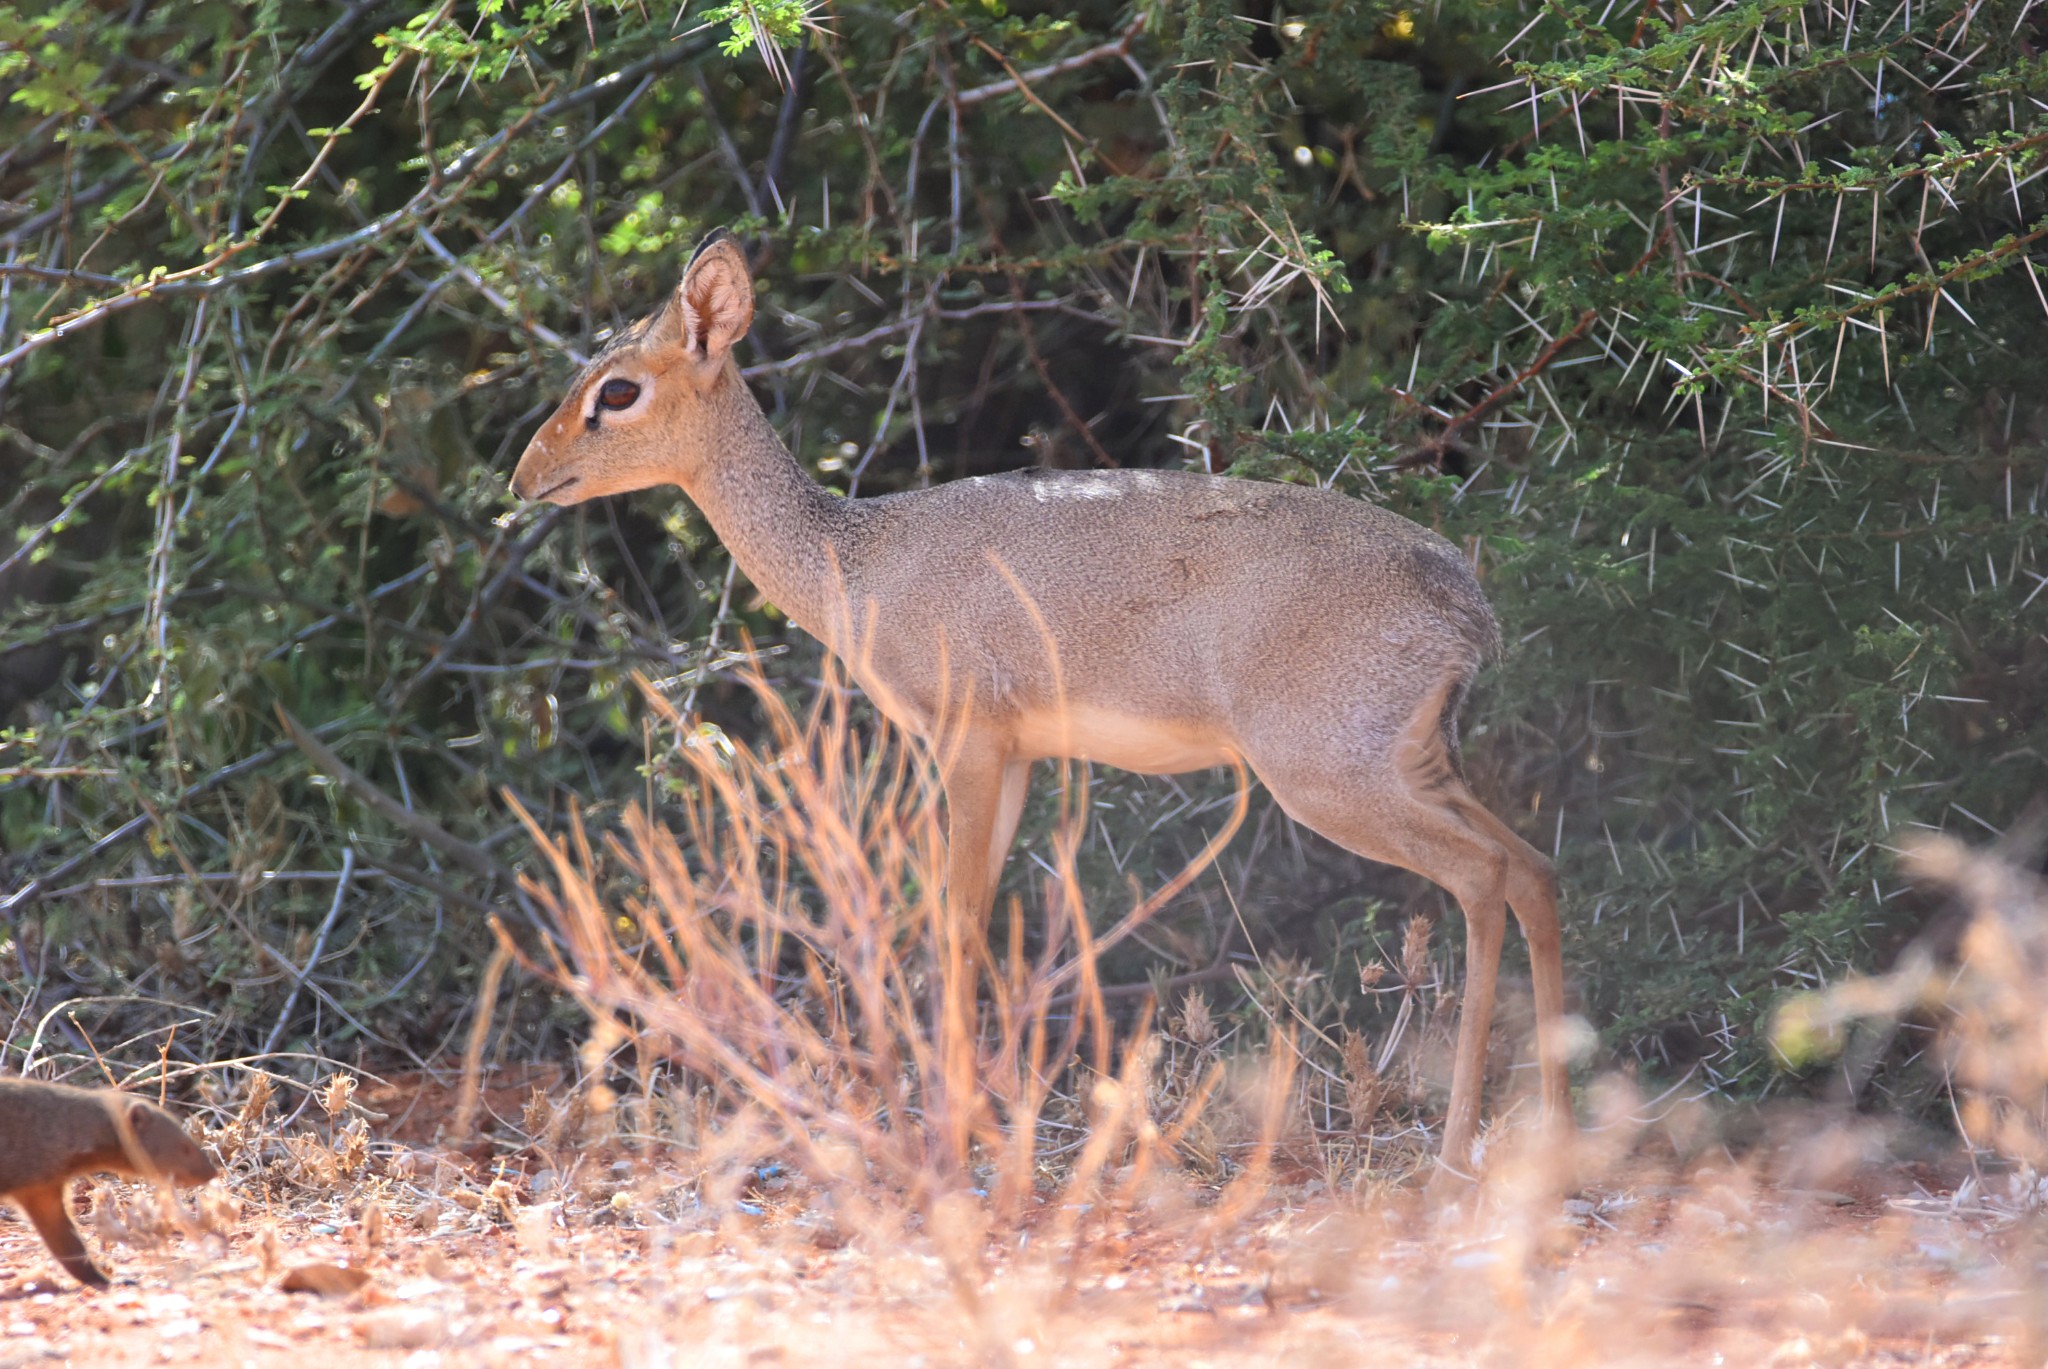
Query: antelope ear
x=715, y=302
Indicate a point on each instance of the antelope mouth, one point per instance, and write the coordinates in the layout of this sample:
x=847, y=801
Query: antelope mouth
x=551, y=491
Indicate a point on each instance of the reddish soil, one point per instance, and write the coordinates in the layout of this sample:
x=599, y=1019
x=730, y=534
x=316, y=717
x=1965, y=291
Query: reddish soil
x=1718, y=1275
x=600, y=1254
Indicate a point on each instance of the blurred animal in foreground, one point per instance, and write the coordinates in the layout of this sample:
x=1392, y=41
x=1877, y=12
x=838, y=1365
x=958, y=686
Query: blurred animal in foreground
x=51, y=1133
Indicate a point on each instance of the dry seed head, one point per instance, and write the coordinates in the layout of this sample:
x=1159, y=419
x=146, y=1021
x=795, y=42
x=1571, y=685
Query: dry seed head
x=1415, y=950
x=354, y=1151
x=566, y=1127
x=260, y=1090
x=170, y=958
x=1370, y=975
x=502, y=1196
x=335, y=1097
x=539, y=1114
x=1365, y=1091
x=306, y=1159
x=1196, y=1026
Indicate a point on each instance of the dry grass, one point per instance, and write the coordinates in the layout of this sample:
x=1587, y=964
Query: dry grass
x=805, y=976
x=606, y=1244
x=815, y=1121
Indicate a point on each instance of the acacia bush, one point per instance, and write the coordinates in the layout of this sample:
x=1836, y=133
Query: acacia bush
x=1710, y=330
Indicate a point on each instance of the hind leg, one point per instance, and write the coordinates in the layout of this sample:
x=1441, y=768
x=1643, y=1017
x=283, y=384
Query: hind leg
x=1532, y=892
x=1415, y=812
x=1473, y=870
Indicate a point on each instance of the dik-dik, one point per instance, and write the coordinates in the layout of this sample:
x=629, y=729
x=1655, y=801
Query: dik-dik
x=1156, y=620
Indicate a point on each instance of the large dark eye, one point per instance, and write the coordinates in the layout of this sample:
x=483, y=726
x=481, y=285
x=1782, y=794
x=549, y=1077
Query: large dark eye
x=618, y=394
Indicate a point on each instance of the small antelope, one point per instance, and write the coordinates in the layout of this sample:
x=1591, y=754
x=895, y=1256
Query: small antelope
x=1156, y=620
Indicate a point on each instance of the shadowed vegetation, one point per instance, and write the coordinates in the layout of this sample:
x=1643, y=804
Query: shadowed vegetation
x=1711, y=332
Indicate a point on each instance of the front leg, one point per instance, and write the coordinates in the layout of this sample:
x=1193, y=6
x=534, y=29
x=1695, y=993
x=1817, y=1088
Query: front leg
x=978, y=777
x=1010, y=794
x=972, y=771
x=46, y=1211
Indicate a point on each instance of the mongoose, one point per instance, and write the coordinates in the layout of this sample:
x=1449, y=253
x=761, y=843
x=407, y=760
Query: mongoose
x=50, y=1133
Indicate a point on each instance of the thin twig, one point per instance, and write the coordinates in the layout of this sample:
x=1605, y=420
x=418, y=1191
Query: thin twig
x=341, y=883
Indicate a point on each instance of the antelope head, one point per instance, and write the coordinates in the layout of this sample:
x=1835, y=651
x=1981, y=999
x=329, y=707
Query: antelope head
x=647, y=410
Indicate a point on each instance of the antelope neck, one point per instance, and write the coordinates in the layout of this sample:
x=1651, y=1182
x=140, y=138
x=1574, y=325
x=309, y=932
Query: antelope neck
x=783, y=529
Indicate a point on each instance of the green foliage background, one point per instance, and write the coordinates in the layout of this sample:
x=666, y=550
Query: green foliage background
x=1714, y=331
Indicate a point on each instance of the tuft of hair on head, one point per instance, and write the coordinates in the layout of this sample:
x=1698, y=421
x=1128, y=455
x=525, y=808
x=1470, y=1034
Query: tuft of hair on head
x=704, y=244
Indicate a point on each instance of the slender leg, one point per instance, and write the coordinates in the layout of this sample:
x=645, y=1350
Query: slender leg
x=1485, y=906
x=1403, y=800
x=974, y=781
x=1532, y=893
x=1431, y=828
x=973, y=775
x=46, y=1211
x=1016, y=782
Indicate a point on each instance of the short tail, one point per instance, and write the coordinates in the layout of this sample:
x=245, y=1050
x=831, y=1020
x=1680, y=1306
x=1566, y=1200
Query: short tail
x=1447, y=723
x=1430, y=756
x=1449, y=587
x=1447, y=584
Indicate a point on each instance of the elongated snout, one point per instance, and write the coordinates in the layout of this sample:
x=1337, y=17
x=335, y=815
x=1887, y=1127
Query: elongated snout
x=539, y=475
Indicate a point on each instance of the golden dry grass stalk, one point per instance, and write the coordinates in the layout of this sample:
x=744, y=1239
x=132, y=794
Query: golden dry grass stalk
x=790, y=944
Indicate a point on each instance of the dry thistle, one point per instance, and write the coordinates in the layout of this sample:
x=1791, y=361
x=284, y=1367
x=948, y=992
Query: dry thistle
x=352, y=1154
x=335, y=1097
x=1196, y=1026
x=566, y=1127
x=260, y=1092
x=245, y=1130
x=1415, y=941
x=504, y=1198
x=539, y=1116
x=1365, y=1091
